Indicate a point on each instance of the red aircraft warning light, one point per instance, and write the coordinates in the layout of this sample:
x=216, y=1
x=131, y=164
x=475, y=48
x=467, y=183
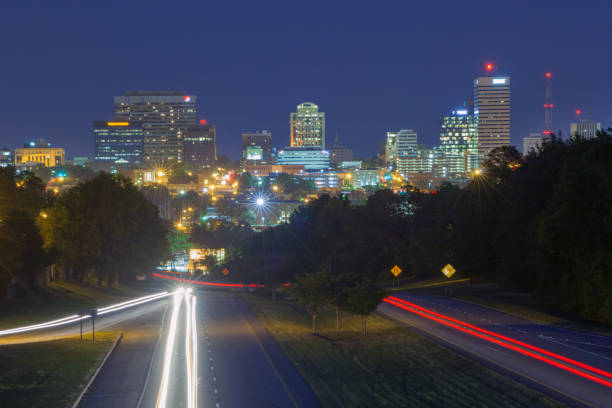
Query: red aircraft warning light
x=548, y=75
x=202, y=121
x=187, y=98
x=578, y=112
x=489, y=66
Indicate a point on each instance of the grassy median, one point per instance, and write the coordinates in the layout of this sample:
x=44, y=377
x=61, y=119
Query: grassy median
x=59, y=299
x=393, y=366
x=49, y=374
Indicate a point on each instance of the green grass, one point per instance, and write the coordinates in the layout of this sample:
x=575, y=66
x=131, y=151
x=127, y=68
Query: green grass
x=49, y=374
x=59, y=299
x=393, y=366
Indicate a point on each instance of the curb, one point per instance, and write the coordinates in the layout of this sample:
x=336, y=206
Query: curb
x=95, y=374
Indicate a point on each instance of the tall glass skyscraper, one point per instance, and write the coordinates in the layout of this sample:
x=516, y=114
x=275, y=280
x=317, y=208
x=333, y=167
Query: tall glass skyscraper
x=307, y=126
x=459, y=139
x=492, y=113
x=118, y=142
x=164, y=115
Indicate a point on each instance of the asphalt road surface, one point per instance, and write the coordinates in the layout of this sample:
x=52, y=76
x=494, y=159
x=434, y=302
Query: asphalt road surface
x=573, y=365
x=192, y=349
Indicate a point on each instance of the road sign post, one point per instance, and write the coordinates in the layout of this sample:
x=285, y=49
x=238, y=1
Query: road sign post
x=396, y=272
x=92, y=313
x=81, y=321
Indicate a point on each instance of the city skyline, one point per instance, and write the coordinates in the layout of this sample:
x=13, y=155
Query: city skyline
x=368, y=88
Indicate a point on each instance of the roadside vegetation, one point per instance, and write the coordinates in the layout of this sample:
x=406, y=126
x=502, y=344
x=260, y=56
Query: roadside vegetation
x=541, y=224
x=391, y=366
x=49, y=374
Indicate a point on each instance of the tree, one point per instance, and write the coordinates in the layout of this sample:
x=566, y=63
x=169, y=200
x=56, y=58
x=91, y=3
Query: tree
x=107, y=226
x=363, y=299
x=312, y=291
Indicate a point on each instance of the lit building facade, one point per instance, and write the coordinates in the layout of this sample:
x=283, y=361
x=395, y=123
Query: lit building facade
x=312, y=158
x=257, y=147
x=402, y=143
x=422, y=161
x=366, y=177
x=6, y=158
x=532, y=143
x=199, y=144
x=459, y=140
x=307, y=126
x=585, y=128
x=492, y=113
x=40, y=152
x=165, y=117
x=118, y=142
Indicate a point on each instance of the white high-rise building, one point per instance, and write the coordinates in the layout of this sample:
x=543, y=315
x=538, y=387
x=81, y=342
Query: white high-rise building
x=585, y=128
x=307, y=126
x=532, y=143
x=492, y=113
x=402, y=143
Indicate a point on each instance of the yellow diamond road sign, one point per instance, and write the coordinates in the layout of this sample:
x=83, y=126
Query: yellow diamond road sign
x=448, y=270
x=396, y=270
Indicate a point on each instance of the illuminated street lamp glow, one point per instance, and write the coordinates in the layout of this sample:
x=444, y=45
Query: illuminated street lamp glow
x=260, y=201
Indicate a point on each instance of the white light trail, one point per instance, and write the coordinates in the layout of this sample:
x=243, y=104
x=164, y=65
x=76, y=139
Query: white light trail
x=76, y=318
x=192, y=368
x=162, y=396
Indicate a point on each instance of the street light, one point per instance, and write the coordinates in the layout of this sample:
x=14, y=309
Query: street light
x=260, y=201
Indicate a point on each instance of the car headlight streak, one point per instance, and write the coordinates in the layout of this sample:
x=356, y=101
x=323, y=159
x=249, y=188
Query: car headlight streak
x=75, y=318
x=191, y=349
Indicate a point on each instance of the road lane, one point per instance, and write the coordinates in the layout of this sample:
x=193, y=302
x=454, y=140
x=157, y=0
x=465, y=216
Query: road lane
x=565, y=383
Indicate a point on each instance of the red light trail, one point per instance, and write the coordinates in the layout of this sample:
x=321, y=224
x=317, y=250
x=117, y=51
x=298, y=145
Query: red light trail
x=445, y=320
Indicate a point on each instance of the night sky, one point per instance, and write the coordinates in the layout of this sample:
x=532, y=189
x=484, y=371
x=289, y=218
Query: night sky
x=370, y=67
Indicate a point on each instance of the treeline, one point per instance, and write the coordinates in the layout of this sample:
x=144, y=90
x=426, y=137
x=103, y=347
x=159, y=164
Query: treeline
x=540, y=223
x=101, y=231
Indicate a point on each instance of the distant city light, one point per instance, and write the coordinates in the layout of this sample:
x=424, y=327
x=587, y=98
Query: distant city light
x=260, y=201
x=202, y=121
x=187, y=98
x=548, y=75
x=499, y=81
x=578, y=112
x=489, y=66
x=461, y=112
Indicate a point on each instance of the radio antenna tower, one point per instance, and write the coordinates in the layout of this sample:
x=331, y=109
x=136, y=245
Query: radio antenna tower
x=548, y=106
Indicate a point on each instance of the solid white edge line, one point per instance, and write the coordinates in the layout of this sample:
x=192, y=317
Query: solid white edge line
x=163, y=390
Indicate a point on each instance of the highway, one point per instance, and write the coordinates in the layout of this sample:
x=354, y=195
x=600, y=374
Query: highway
x=186, y=348
x=575, y=366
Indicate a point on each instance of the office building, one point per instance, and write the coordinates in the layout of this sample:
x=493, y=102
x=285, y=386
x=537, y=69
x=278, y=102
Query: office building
x=164, y=115
x=532, y=143
x=459, y=140
x=366, y=177
x=40, y=152
x=421, y=162
x=402, y=143
x=307, y=126
x=492, y=113
x=6, y=158
x=585, y=128
x=200, y=146
x=339, y=154
x=312, y=158
x=118, y=142
x=257, y=147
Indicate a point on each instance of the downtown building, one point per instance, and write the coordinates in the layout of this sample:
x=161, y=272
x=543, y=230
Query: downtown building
x=39, y=153
x=257, y=147
x=164, y=116
x=585, y=128
x=492, y=113
x=400, y=144
x=200, y=146
x=532, y=143
x=118, y=142
x=459, y=140
x=307, y=126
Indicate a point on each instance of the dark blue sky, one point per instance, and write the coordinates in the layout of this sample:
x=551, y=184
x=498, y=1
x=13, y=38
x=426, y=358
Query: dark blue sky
x=371, y=67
